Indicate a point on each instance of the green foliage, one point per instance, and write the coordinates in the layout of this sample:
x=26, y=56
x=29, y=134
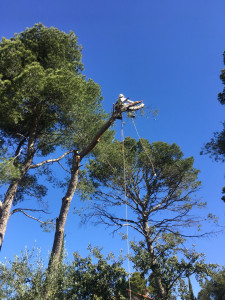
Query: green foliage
x=29, y=187
x=97, y=279
x=221, y=96
x=36, y=80
x=138, y=284
x=215, y=148
x=8, y=171
x=160, y=186
x=214, y=288
x=22, y=278
x=44, y=97
x=40, y=80
x=93, y=277
x=158, y=179
x=175, y=264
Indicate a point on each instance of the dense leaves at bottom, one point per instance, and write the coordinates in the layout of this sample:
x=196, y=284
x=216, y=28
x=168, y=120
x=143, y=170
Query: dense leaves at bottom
x=99, y=277
x=93, y=277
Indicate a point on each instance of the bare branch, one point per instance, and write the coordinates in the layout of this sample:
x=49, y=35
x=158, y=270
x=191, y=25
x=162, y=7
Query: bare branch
x=50, y=160
x=22, y=210
x=27, y=209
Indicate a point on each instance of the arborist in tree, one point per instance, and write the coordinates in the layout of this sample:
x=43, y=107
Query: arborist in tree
x=125, y=104
x=124, y=100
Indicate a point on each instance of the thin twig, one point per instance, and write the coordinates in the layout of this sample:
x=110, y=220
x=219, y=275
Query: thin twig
x=63, y=167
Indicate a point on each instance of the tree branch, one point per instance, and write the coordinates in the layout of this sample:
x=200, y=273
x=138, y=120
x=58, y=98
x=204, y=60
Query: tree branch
x=118, y=110
x=22, y=210
x=50, y=160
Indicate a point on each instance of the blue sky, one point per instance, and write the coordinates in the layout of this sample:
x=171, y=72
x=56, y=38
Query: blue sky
x=168, y=53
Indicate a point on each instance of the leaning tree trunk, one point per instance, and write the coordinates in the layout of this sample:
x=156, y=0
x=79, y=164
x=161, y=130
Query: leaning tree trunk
x=61, y=220
x=160, y=289
x=5, y=207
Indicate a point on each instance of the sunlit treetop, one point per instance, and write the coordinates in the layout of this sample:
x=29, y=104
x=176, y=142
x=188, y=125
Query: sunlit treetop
x=41, y=86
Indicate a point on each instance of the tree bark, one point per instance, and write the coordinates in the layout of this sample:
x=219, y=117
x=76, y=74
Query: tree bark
x=154, y=267
x=5, y=207
x=61, y=220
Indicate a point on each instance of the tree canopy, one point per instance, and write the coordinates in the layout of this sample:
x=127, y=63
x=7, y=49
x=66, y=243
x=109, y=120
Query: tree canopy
x=41, y=79
x=46, y=104
x=157, y=184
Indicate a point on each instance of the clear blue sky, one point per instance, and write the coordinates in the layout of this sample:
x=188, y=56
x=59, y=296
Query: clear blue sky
x=168, y=53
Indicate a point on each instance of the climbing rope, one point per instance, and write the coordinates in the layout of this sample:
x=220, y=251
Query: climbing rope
x=144, y=148
x=125, y=197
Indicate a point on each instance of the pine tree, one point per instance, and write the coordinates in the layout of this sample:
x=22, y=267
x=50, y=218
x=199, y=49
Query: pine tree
x=44, y=100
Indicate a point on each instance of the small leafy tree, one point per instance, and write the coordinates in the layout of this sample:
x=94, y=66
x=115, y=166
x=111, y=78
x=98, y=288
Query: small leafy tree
x=92, y=278
x=22, y=278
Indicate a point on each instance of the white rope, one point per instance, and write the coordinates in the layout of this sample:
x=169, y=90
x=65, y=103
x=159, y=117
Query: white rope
x=125, y=196
x=143, y=146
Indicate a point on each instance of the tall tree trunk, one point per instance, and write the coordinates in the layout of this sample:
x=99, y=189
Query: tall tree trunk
x=154, y=267
x=61, y=220
x=11, y=192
